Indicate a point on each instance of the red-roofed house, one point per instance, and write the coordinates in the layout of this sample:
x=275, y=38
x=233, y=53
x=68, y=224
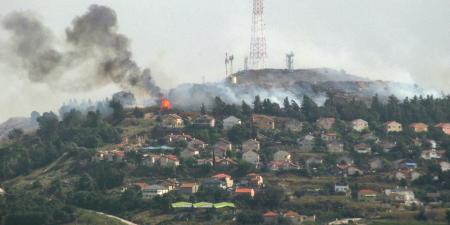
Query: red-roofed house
x=419, y=127
x=189, y=188
x=245, y=191
x=270, y=217
x=224, y=177
x=445, y=127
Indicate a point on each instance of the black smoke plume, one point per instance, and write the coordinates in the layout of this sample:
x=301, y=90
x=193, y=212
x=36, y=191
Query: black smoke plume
x=92, y=38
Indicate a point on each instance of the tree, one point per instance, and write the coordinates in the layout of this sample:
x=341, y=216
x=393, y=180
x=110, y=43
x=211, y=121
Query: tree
x=246, y=109
x=250, y=217
x=218, y=107
x=203, y=109
x=48, y=126
x=118, y=110
x=310, y=109
x=138, y=113
x=239, y=134
x=86, y=183
x=447, y=216
x=257, y=105
x=15, y=134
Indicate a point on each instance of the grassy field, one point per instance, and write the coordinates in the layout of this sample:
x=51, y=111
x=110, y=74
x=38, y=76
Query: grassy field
x=404, y=222
x=85, y=217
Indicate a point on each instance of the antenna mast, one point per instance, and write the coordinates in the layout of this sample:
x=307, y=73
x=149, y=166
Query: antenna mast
x=258, y=54
x=290, y=61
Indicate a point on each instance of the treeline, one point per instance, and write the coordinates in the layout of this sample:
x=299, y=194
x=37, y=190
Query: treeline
x=426, y=109
x=76, y=132
x=28, y=209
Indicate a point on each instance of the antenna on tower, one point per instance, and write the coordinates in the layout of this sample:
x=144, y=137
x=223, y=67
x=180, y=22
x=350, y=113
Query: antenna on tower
x=246, y=63
x=231, y=58
x=258, y=53
x=226, y=64
x=290, y=61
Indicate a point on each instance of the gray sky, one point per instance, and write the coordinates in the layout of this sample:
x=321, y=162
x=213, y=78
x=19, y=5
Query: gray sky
x=184, y=40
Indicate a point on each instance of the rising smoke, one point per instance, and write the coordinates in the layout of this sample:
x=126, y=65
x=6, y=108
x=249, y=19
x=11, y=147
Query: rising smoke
x=92, y=44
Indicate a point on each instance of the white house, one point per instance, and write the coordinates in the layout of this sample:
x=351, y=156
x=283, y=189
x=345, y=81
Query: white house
x=152, y=191
x=230, y=122
x=251, y=157
x=282, y=155
x=251, y=145
x=360, y=125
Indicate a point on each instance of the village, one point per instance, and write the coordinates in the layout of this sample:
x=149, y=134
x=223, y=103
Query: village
x=239, y=157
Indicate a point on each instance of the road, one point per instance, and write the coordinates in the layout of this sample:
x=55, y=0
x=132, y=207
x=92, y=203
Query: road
x=117, y=218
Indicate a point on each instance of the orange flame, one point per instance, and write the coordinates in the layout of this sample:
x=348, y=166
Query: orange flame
x=165, y=104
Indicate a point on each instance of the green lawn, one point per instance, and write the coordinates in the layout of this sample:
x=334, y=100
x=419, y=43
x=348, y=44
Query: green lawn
x=85, y=217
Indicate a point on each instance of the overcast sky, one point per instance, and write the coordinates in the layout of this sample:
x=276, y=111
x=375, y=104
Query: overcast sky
x=185, y=40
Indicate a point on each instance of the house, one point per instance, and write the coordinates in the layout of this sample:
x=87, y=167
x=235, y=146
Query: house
x=342, y=188
x=329, y=136
x=293, y=125
x=283, y=165
x=306, y=143
x=387, y=146
x=360, y=125
x=445, y=127
x=370, y=137
x=171, y=121
x=353, y=171
x=110, y=156
x=335, y=147
x=169, y=161
x=326, y=123
x=225, y=162
x=367, y=195
x=222, y=147
x=295, y=218
x=406, y=174
x=254, y=180
x=419, y=127
x=152, y=191
x=189, y=153
x=353, y=221
x=270, y=217
x=213, y=184
x=150, y=160
x=224, y=144
x=189, y=188
x=230, y=122
x=245, y=191
x=432, y=154
x=445, y=166
x=393, y=126
x=204, y=121
x=263, y=122
x=314, y=160
x=375, y=164
x=141, y=186
x=251, y=157
x=175, y=138
x=282, y=155
x=224, y=177
x=362, y=148
x=251, y=145
x=196, y=143
x=403, y=196
x=405, y=164
x=220, y=151
x=345, y=160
